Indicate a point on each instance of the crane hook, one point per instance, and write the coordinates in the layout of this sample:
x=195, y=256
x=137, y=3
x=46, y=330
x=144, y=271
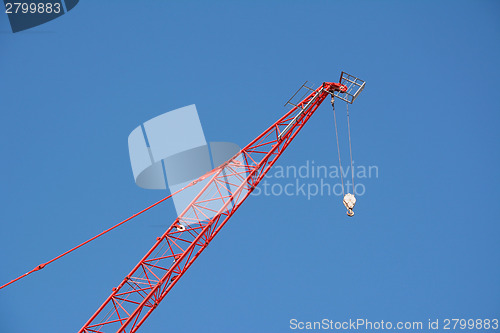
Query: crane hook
x=349, y=202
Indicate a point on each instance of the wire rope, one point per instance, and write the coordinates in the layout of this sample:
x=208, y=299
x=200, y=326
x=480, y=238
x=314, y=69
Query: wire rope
x=350, y=148
x=338, y=146
x=41, y=266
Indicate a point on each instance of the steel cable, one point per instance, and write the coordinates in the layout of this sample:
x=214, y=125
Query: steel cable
x=338, y=146
x=41, y=266
x=350, y=149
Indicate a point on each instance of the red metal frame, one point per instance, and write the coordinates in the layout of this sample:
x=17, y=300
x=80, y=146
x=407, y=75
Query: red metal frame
x=140, y=292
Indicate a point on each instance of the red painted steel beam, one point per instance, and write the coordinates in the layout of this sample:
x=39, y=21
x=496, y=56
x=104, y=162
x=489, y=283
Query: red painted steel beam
x=140, y=292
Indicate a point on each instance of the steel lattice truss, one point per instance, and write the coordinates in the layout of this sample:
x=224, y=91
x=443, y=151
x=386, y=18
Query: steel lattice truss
x=140, y=292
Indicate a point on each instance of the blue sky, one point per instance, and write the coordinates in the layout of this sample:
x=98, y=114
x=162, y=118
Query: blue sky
x=423, y=243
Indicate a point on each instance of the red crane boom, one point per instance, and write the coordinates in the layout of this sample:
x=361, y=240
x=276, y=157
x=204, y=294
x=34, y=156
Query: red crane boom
x=140, y=292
